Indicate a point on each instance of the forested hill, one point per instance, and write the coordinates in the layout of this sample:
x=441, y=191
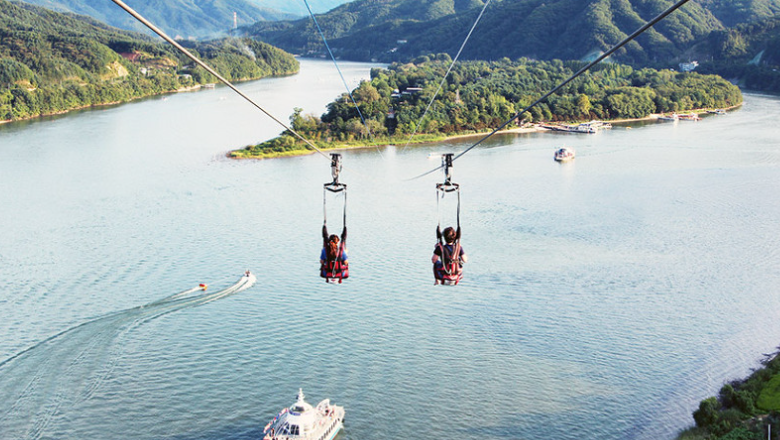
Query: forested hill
x=748, y=54
x=178, y=18
x=732, y=12
x=300, y=36
x=385, y=30
x=52, y=62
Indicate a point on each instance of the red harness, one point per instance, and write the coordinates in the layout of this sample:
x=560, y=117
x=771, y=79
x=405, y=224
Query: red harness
x=450, y=269
x=335, y=267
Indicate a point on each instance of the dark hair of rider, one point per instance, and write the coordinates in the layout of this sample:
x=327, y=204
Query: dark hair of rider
x=333, y=246
x=449, y=235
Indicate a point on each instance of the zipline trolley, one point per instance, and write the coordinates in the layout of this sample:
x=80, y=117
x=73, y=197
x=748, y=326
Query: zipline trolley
x=334, y=266
x=449, y=269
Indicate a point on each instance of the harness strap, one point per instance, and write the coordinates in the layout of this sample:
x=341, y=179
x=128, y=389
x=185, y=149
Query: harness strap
x=450, y=259
x=334, y=267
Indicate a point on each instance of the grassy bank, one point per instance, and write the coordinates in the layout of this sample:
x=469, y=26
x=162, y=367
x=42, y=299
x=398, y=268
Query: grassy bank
x=286, y=145
x=743, y=409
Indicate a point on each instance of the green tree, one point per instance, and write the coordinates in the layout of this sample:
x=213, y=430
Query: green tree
x=707, y=414
x=583, y=105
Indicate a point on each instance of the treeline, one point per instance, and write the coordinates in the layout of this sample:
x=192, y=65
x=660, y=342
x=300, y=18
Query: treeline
x=742, y=409
x=481, y=95
x=52, y=63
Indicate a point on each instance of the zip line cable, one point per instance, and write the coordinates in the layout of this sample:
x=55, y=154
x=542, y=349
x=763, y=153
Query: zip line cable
x=625, y=41
x=165, y=37
x=444, y=79
x=344, y=81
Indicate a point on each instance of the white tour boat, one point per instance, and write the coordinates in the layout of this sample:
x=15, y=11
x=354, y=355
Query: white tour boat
x=302, y=421
x=564, y=154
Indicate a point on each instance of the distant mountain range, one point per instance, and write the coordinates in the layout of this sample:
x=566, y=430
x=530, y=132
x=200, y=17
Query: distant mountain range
x=297, y=7
x=178, y=18
x=399, y=30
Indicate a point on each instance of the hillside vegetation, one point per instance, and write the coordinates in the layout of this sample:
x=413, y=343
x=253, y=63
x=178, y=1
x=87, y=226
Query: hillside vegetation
x=749, y=54
x=398, y=30
x=480, y=95
x=735, y=39
x=734, y=12
x=301, y=36
x=52, y=62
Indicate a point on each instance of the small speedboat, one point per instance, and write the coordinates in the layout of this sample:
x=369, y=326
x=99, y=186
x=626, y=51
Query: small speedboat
x=564, y=154
x=302, y=421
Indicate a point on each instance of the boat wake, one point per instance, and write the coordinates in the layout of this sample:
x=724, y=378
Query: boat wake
x=38, y=384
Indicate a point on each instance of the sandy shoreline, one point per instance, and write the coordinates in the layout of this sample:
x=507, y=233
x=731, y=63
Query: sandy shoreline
x=535, y=128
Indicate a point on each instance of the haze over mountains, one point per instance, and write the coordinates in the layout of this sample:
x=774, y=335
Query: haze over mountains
x=297, y=7
x=187, y=18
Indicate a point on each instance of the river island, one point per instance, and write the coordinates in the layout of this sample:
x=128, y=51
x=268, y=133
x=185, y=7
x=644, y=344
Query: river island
x=396, y=107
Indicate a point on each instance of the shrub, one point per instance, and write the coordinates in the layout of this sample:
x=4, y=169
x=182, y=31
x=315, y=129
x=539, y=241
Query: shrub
x=707, y=414
x=769, y=399
x=742, y=434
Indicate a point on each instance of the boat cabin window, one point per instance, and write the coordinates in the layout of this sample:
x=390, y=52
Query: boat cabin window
x=298, y=409
x=294, y=430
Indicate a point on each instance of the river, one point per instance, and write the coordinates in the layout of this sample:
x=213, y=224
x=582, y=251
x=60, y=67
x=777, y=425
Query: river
x=603, y=298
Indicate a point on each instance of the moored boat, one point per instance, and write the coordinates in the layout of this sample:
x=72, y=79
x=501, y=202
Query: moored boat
x=672, y=117
x=689, y=117
x=593, y=126
x=302, y=421
x=564, y=154
x=585, y=127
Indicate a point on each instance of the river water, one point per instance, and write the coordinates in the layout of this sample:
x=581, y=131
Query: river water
x=603, y=298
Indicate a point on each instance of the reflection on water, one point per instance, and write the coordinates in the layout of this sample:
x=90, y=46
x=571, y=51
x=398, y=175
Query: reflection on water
x=603, y=298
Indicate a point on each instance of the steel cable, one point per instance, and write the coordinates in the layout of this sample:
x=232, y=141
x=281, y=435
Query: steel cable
x=444, y=79
x=344, y=81
x=165, y=37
